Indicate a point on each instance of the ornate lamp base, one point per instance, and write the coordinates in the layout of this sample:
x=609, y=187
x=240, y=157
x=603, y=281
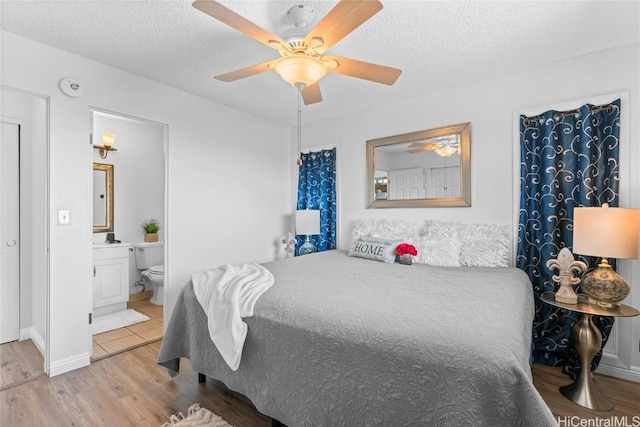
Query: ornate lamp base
x=307, y=247
x=604, y=286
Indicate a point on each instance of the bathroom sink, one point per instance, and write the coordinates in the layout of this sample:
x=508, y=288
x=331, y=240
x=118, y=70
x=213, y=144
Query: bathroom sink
x=110, y=245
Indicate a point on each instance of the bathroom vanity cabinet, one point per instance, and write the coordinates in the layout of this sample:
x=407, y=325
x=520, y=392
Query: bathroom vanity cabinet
x=110, y=277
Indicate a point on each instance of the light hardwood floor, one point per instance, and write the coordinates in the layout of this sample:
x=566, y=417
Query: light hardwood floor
x=625, y=395
x=126, y=389
x=130, y=389
x=20, y=362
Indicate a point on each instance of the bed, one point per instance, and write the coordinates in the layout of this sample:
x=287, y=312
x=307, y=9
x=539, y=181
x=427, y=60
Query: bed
x=344, y=341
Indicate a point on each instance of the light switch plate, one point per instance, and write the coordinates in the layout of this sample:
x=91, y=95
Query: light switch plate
x=64, y=217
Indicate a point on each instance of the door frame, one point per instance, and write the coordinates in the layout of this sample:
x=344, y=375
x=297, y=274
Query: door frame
x=165, y=147
x=44, y=213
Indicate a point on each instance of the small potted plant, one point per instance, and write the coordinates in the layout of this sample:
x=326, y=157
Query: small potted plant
x=404, y=252
x=150, y=227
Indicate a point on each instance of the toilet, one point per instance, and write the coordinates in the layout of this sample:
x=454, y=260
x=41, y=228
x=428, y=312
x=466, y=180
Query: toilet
x=149, y=259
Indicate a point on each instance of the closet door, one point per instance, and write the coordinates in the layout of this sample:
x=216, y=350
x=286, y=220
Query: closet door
x=406, y=184
x=9, y=233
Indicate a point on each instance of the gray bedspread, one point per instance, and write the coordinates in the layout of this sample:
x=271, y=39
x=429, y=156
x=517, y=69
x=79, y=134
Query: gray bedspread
x=342, y=341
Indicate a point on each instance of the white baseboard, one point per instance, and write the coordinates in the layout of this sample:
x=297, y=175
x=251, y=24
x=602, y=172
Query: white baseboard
x=630, y=374
x=33, y=335
x=58, y=367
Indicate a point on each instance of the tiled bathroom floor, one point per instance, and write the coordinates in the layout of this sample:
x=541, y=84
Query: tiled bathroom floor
x=119, y=340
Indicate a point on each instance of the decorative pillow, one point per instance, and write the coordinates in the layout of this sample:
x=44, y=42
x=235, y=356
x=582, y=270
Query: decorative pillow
x=375, y=248
x=386, y=228
x=485, y=245
x=481, y=245
x=442, y=251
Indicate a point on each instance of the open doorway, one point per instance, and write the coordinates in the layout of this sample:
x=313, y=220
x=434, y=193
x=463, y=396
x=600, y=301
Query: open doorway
x=128, y=291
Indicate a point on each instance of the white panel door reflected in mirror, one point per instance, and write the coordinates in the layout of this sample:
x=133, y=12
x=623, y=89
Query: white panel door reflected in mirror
x=428, y=168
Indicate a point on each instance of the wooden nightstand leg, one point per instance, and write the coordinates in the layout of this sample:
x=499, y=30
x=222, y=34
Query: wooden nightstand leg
x=587, y=339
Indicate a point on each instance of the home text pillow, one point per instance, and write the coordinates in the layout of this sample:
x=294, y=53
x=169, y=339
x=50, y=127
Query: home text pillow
x=375, y=248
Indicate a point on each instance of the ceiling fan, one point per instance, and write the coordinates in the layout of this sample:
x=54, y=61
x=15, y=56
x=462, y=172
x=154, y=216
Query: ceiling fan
x=445, y=146
x=302, y=61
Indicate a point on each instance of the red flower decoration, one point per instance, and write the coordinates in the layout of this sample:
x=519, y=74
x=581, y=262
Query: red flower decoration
x=406, y=249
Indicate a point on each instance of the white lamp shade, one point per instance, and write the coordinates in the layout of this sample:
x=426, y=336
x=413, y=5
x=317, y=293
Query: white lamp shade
x=307, y=222
x=606, y=232
x=108, y=139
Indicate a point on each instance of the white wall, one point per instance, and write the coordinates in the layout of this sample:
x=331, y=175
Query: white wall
x=226, y=174
x=139, y=179
x=489, y=106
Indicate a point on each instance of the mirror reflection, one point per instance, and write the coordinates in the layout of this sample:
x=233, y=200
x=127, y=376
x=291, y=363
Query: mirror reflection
x=102, y=198
x=420, y=169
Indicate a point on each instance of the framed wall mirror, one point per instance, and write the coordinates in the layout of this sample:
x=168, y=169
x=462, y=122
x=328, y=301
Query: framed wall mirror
x=102, y=198
x=428, y=168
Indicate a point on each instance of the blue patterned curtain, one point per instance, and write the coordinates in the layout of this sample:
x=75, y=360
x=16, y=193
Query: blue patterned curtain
x=317, y=190
x=567, y=159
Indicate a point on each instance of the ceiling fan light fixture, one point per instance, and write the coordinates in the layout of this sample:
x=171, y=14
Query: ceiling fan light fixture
x=446, y=151
x=300, y=70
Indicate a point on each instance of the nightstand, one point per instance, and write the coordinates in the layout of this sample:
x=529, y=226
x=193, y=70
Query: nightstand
x=587, y=340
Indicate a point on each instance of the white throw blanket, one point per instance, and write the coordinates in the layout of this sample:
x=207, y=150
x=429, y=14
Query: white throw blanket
x=227, y=294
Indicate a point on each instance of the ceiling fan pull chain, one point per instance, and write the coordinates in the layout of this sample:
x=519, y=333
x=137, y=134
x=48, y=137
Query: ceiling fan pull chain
x=299, y=161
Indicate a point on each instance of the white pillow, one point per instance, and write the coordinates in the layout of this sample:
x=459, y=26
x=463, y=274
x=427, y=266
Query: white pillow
x=387, y=228
x=485, y=245
x=442, y=251
x=375, y=248
x=481, y=245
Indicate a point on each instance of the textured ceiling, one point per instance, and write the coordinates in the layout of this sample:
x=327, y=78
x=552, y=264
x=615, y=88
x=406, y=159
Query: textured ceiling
x=437, y=44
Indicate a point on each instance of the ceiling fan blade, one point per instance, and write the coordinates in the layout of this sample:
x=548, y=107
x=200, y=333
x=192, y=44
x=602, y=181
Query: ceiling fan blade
x=345, y=17
x=364, y=70
x=424, y=147
x=244, y=72
x=311, y=94
x=232, y=19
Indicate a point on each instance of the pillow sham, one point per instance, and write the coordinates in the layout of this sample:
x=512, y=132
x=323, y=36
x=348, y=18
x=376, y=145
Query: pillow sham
x=386, y=228
x=442, y=251
x=481, y=245
x=375, y=248
x=485, y=245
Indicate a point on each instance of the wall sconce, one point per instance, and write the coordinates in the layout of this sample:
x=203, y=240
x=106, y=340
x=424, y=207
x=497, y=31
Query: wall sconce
x=107, y=144
x=609, y=233
x=307, y=223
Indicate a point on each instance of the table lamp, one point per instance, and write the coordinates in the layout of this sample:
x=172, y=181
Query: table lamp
x=307, y=223
x=608, y=233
